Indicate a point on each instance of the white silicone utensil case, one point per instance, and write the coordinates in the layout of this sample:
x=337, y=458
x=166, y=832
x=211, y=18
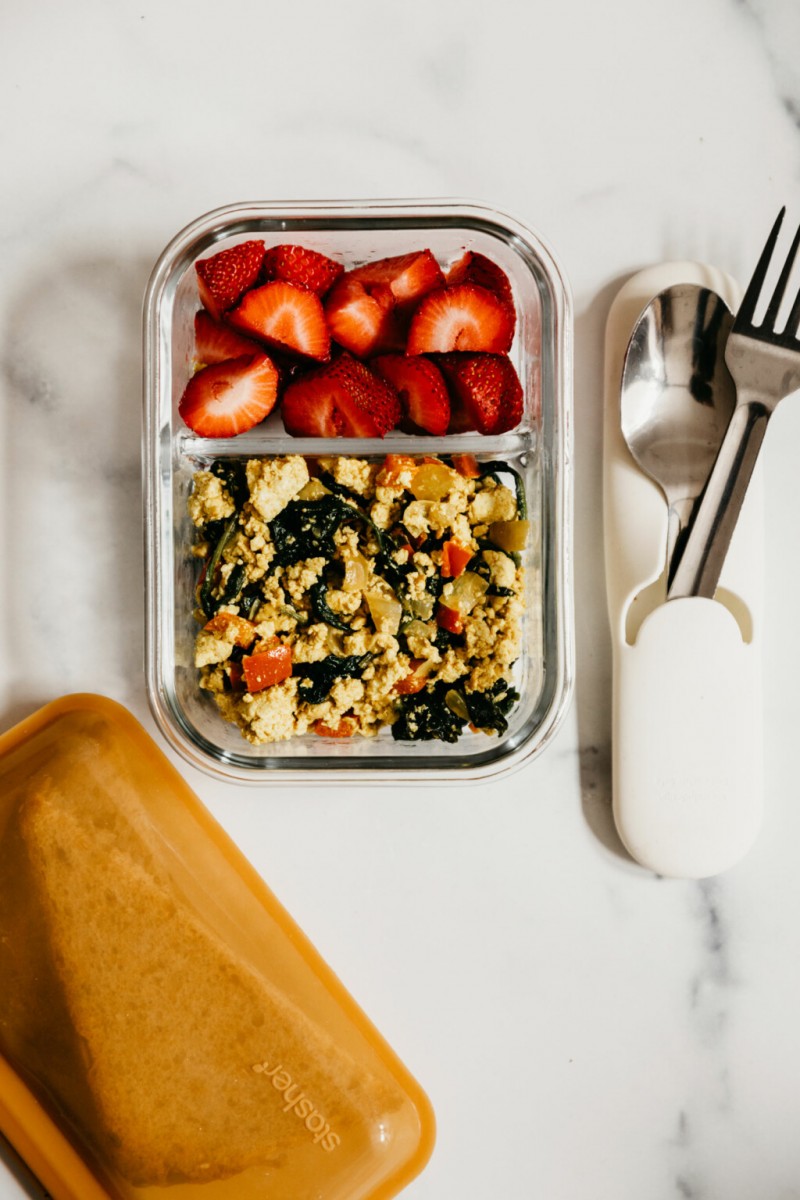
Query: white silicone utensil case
x=687, y=713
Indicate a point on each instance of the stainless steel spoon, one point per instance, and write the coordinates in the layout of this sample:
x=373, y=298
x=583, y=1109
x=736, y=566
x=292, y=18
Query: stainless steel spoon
x=677, y=398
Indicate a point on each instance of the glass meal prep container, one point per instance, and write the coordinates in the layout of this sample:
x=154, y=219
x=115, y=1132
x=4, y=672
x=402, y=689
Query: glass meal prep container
x=538, y=449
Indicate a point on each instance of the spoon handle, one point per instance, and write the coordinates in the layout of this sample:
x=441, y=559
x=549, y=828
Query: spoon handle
x=700, y=564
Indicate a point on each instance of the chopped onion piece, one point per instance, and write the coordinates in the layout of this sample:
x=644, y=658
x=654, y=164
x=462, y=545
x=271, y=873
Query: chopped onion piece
x=432, y=481
x=386, y=612
x=509, y=535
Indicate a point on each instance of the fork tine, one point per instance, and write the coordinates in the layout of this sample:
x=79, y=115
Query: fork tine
x=750, y=299
x=772, y=310
x=791, y=330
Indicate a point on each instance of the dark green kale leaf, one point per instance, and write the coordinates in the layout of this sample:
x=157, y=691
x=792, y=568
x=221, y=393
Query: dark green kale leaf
x=339, y=489
x=426, y=716
x=305, y=529
x=234, y=585
x=207, y=602
x=494, y=470
x=317, y=678
x=322, y=610
x=489, y=709
x=234, y=478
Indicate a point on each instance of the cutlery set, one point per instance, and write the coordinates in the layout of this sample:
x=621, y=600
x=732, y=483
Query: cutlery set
x=689, y=390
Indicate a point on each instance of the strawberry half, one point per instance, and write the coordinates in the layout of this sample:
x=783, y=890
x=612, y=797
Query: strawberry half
x=407, y=276
x=224, y=278
x=486, y=391
x=215, y=342
x=230, y=397
x=478, y=269
x=308, y=268
x=363, y=321
x=285, y=316
x=424, y=399
x=466, y=317
x=343, y=397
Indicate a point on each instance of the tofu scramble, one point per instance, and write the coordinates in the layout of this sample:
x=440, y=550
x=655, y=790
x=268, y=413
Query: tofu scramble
x=339, y=596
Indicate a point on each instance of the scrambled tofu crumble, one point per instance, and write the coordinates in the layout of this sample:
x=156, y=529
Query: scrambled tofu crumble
x=339, y=596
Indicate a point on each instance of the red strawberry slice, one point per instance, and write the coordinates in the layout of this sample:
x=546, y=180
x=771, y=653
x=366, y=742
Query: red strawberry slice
x=424, y=399
x=363, y=322
x=285, y=316
x=308, y=268
x=477, y=268
x=230, y=397
x=342, y=397
x=408, y=276
x=215, y=342
x=466, y=317
x=224, y=278
x=486, y=389
x=308, y=406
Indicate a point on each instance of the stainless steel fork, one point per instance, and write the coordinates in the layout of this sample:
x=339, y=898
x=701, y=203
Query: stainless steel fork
x=765, y=365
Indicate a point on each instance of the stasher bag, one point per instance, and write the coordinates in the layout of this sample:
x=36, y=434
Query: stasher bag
x=163, y=1022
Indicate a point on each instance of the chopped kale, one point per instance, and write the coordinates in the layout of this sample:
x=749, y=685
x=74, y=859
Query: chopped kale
x=425, y=717
x=489, y=709
x=495, y=469
x=339, y=489
x=236, y=581
x=206, y=600
x=445, y=639
x=305, y=529
x=317, y=678
x=250, y=599
x=434, y=584
x=322, y=610
x=234, y=478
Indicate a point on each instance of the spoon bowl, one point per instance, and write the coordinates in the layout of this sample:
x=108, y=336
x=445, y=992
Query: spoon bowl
x=677, y=398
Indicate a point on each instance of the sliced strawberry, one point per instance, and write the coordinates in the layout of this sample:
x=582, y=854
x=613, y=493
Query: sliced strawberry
x=285, y=316
x=343, y=397
x=308, y=408
x=214, y=342
x=478, y=269
x=363, y=322
x=408, y=276
x=224, y=278
x=486, y=388
x=230, y=397
x=423, y=396
x=466, y=317
x=370, y=406
x=308, y=268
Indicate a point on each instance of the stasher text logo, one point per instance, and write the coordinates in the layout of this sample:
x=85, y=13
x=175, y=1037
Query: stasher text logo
x=297, y=1101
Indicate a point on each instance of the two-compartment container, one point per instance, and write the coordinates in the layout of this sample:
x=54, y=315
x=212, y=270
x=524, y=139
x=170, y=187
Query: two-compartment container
x=539, y=449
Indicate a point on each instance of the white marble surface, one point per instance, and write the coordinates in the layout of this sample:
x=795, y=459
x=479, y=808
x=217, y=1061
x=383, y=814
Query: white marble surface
x=584, y=1030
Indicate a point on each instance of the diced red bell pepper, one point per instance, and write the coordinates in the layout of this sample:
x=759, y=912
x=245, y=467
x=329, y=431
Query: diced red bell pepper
x=346, y=728
x=466, y=465
x=414, y=681
x=449, y=619
x=454, y=558
x=267, y=667
x=395, y=466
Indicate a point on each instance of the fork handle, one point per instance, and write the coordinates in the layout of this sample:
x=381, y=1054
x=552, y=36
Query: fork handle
x=710, y=533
